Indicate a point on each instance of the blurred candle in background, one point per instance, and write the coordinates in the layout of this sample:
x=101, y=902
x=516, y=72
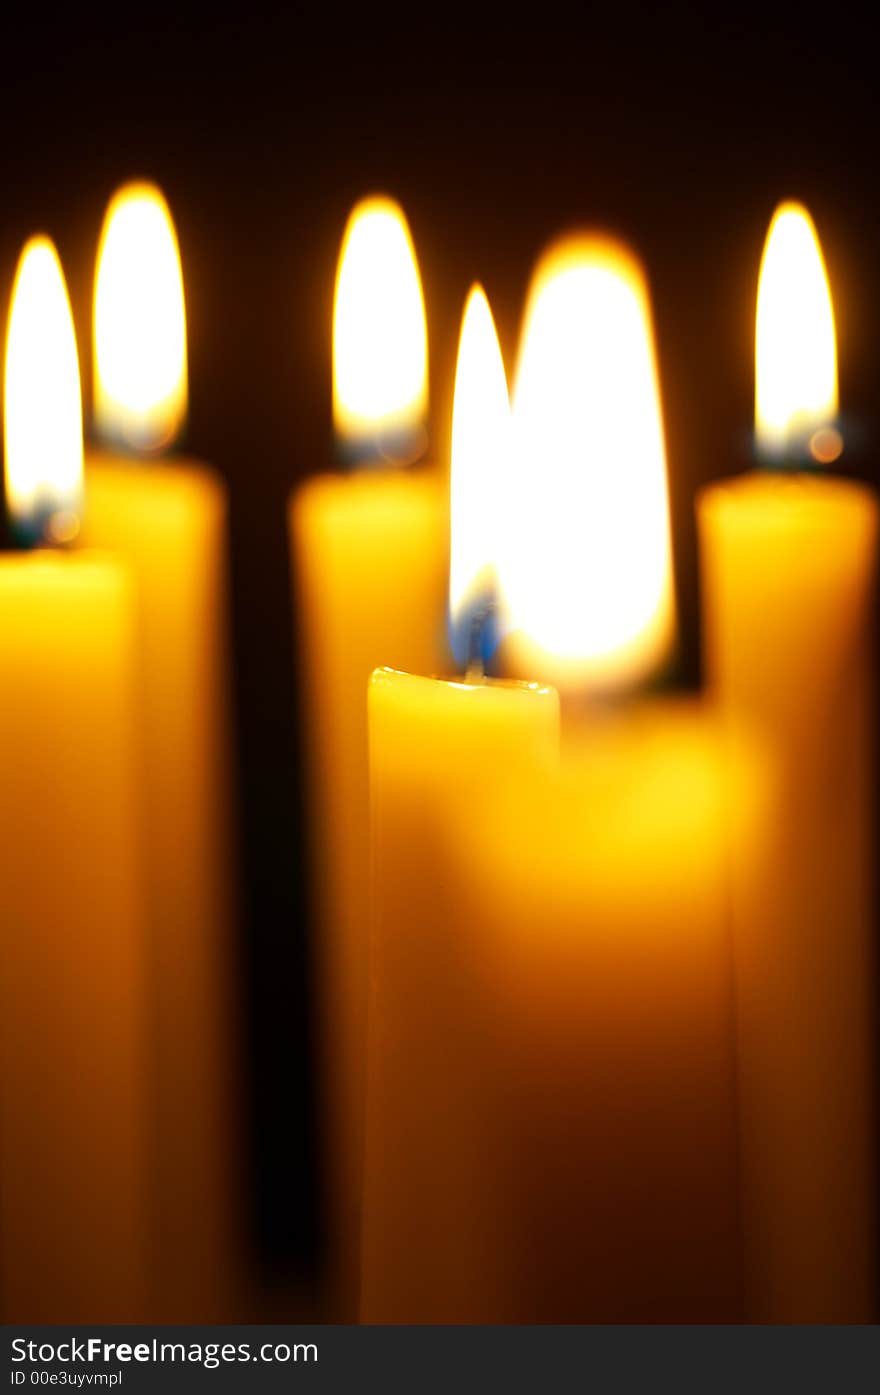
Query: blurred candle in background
x=168, y=518
x=789, y=572
x=602, y=897
x=74, y=1133
x=369, y=553
x=432, y=1250
x=602, y=902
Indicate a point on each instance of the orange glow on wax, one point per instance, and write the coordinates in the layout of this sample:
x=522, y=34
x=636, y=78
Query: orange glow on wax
x=795, y=345
x=140, y=354
x=380, y=341
x=587, y=567
x=42, y=405
x=481, y=448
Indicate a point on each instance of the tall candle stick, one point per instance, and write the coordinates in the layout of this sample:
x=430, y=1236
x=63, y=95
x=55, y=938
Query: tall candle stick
x=433, y=1247
x=789, y=569
x=604, y=982
x=611, y=937
x=430, y=1246
x=368, y=551
x=74, y=1133
x=168, y=518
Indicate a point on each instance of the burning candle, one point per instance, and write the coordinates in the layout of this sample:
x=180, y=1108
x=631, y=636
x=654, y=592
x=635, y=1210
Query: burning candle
x=431, y=1246
x=73, y=1128
x=168, y=519
x=601, y=898
x=369, y=562
x=789, y=570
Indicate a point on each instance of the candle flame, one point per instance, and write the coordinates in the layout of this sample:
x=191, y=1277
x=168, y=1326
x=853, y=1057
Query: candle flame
x=587, y=573
x=481, y=449
x=795, y=346
x=42, y=406
x=139, y=323
x=380, y=342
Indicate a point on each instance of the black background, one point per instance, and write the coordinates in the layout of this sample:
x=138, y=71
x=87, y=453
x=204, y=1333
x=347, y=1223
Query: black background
x=496, y=129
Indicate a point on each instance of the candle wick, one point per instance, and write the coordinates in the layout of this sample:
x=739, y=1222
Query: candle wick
x=475, y=669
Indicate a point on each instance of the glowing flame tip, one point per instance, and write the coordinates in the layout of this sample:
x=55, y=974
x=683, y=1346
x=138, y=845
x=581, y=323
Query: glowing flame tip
x=42, y=405
x=481, y=451
x=380, y=344
x=139, y=322
x=589, y=586
x=795, y=344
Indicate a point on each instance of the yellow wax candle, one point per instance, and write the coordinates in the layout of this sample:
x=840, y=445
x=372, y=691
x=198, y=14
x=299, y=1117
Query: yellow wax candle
x=431, y=1244
x=73, y=1165
x=789, y=570
x=169, y=520
x=602, y=902
x=602, y=898
x=369, y=568
x=74, y=1134
x=430, y=1247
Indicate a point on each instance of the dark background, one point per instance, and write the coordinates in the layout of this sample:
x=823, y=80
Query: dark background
x=679, y=129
